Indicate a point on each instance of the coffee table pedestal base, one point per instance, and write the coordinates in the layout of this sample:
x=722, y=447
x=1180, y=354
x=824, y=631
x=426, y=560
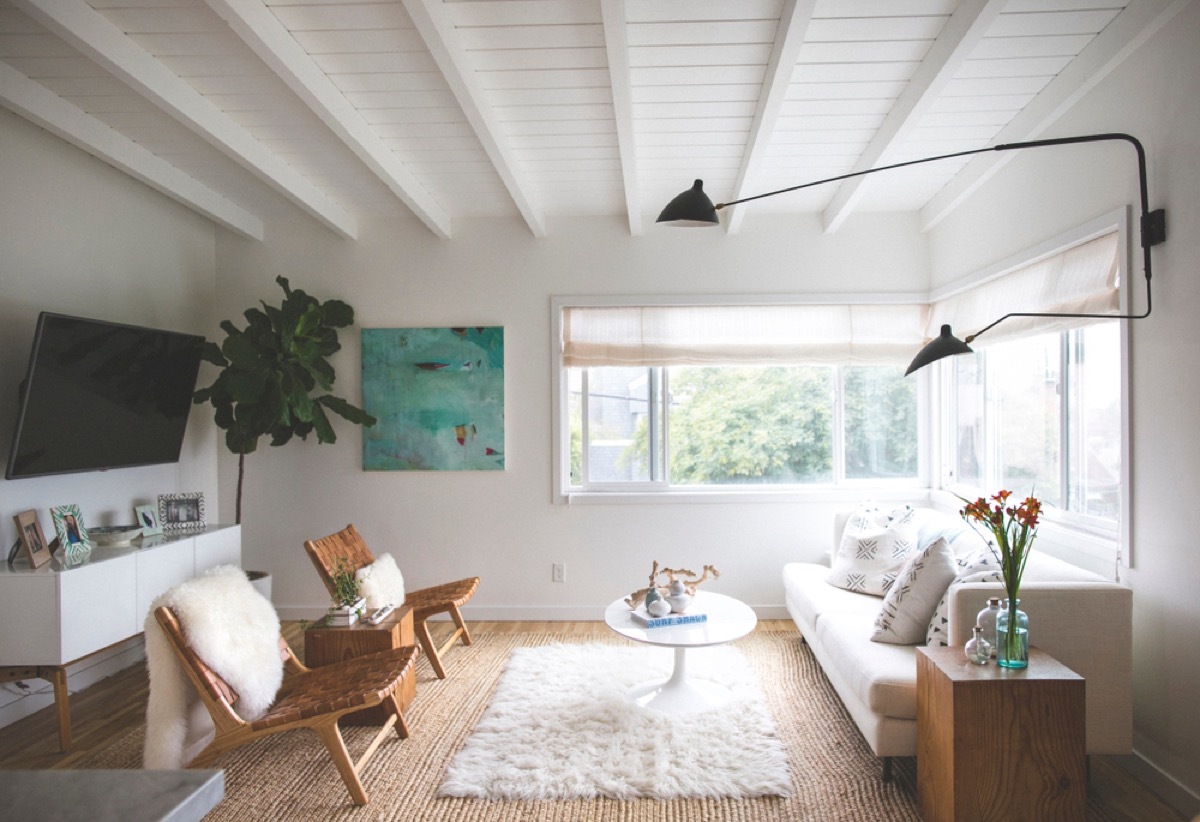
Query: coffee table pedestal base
x=680, y=694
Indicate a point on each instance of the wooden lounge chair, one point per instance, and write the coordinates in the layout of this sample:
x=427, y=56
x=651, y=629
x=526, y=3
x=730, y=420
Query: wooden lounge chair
x=309, y=698
x=447, y=598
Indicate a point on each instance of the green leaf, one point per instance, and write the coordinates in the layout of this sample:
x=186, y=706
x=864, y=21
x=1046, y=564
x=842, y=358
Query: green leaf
x=309, y=321
x=321, y=371
x=211, y=352
x=325, y=432
x=302, y=406
x=349, y=412
x=337, y=313
x=242, y=353
x=283, y=283
x=239, y=442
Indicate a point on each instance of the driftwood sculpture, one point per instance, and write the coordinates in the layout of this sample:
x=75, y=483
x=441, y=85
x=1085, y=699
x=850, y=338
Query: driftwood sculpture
x=688, y=578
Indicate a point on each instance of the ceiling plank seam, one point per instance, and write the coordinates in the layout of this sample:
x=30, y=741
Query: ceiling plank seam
x=967, y=25
x=259, y=29
x=441, y=38
x=46, y=109
x=789, y=38
x=616, y=42
x=89, y=32
x=1136, y=24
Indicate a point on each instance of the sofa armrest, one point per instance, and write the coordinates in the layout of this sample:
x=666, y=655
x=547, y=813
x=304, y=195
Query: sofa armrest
x=1087, y=626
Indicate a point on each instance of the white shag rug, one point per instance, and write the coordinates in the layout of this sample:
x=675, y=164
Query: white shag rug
x=560, y=727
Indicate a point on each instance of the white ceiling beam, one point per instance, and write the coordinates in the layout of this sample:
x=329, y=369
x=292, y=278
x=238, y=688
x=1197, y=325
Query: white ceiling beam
x=442, y=39
x=789, y=37
x=43, y=107
x=966, y=27
x=616, y=42
x=1136, y=24
x=91, y=33
x=261, y=30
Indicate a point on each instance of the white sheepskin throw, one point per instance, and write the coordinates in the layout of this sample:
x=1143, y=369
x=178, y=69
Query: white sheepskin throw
x=381, y=582
x=235, y=630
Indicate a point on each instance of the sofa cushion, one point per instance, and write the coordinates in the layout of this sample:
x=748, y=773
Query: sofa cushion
x=883, y=677
x=910, y=602
x=809, y=596
x=873, y=547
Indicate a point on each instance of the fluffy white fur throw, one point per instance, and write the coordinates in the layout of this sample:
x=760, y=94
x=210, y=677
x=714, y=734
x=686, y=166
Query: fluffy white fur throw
x=235, y=630
x=382, y=583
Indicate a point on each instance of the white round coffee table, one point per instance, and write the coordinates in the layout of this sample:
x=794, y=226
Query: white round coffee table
x=728, y=619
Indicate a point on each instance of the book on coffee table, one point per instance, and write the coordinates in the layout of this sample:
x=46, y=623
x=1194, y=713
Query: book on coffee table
x=647, y=621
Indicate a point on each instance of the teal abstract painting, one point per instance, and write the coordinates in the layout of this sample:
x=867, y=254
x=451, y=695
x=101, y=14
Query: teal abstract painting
x=438, y=394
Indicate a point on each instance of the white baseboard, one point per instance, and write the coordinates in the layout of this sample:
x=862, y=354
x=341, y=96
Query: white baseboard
x=79, y=676
x=1162, y=784
x=521, y=613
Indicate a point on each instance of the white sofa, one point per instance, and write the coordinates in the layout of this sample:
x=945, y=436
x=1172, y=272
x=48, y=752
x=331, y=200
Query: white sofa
x=1078, y=617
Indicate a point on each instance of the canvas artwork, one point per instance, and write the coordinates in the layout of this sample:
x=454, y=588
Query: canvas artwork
x=438, y=394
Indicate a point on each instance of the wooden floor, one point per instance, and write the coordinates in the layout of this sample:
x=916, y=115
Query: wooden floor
x=114, y=706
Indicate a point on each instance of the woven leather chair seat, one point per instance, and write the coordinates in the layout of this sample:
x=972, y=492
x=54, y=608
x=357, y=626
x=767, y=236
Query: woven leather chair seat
x=360, y=682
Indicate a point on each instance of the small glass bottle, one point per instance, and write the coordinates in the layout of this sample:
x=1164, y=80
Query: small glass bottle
x=987, y=621
x=978, y=649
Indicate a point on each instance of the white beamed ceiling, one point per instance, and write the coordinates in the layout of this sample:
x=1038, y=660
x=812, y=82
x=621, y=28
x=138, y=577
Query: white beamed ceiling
x=535, y=109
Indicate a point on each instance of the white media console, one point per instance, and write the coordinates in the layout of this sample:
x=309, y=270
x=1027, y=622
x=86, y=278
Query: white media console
x=58, y=614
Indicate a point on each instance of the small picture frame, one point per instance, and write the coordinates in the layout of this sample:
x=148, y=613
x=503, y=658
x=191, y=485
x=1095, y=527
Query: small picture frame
x=33, y=541
x=181, y=512
x=147, y=517
x=72, y=534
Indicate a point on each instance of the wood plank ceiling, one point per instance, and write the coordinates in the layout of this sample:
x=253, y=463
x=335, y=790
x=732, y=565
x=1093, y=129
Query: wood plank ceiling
x=354, y=110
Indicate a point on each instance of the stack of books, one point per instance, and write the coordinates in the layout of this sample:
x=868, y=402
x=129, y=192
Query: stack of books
x=646, y=621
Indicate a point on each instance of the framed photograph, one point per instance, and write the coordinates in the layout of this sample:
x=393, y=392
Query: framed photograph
x=33, y=541
x=72, y=534
x=181, y=512
x=147, y=517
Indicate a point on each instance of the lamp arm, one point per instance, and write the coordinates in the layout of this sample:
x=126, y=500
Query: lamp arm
x=1152, y=224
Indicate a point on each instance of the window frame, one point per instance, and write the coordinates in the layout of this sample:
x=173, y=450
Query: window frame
x=840, y=488
x=1078, y=538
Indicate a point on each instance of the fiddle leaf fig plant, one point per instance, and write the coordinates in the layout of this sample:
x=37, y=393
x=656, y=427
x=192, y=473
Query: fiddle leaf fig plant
x=270, y=370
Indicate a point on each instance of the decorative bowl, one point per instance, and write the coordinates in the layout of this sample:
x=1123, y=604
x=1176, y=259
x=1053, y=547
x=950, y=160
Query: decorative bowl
x=114, y=534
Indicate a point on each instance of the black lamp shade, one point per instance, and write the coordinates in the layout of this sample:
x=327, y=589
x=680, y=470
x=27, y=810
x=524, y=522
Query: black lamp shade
x=691, y=208
x=943, y=345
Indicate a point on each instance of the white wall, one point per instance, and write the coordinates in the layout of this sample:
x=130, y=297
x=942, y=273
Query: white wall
x=1152, y=96
x=503, y=526
x=80, y=238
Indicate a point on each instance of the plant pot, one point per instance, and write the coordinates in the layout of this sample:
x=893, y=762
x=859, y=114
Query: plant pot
x=347, y=614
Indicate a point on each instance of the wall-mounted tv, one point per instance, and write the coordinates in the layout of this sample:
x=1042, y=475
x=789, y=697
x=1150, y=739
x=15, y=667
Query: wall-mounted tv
x=101, y=395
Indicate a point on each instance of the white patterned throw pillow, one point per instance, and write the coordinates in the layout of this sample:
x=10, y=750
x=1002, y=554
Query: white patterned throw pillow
x=873, y=547
x=982, y=566
x=382, y=583
x=911, y=600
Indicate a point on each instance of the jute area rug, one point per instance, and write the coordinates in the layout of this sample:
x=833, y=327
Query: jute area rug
x=834, y=775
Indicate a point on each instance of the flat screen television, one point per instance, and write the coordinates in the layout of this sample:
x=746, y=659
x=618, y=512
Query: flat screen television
x=101, y=395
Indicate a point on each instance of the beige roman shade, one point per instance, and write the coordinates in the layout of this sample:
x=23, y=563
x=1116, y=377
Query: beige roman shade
x=1081, y=280
x=741, y=334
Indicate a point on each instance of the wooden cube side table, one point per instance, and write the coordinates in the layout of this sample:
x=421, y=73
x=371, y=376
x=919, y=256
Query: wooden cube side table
x=325, y=644
x=995, y=743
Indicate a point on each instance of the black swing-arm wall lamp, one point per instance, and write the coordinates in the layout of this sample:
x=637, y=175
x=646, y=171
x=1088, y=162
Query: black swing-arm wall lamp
x=694, y=208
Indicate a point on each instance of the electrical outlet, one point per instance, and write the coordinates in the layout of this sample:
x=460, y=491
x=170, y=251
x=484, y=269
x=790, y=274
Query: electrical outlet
x=559, y=572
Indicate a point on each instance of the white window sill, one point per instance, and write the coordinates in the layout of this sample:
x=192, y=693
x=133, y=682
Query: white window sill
x=844, y=495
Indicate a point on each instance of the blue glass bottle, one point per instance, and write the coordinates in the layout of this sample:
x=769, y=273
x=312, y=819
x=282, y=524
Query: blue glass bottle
x=1012, y=638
